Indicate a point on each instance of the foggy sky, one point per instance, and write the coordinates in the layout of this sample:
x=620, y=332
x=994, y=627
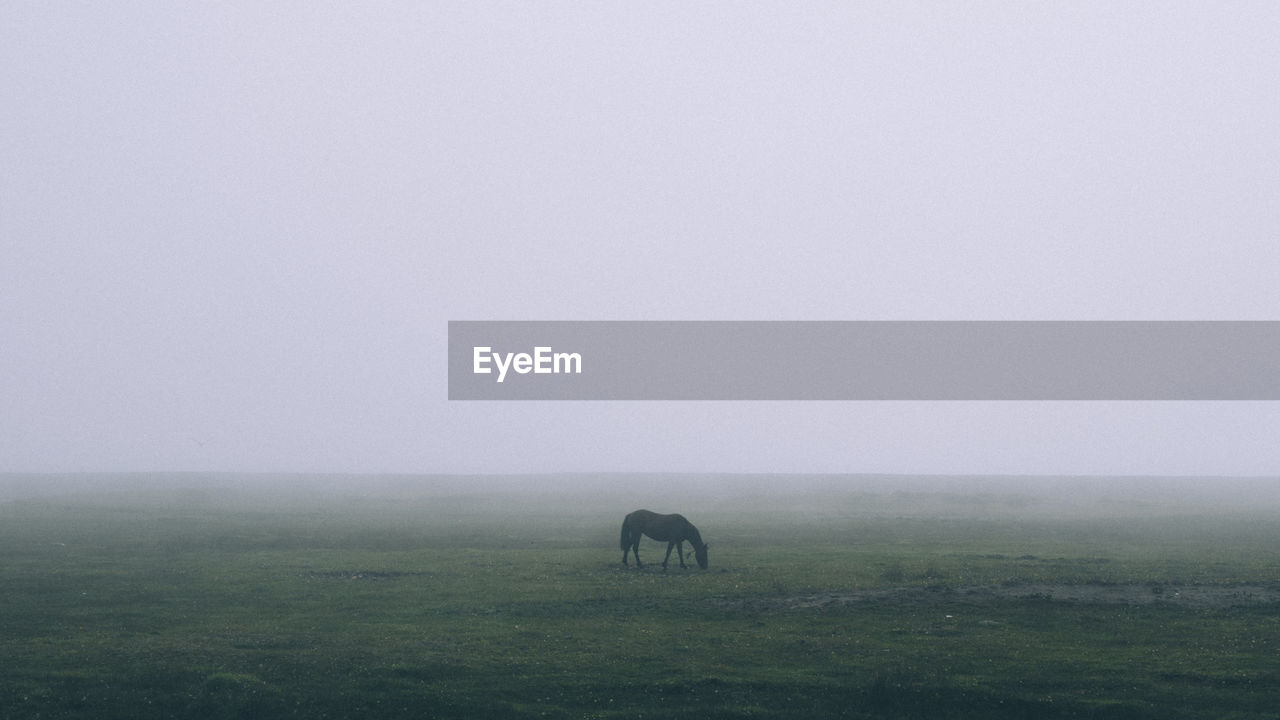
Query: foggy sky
x=231, y=235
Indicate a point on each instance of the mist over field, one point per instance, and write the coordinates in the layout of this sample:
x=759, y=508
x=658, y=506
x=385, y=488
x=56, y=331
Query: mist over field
x=464, y=596
x=723, y=492
x=233, y=236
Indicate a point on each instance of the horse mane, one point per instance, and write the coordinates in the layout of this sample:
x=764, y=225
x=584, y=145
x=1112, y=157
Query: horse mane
x=693, y=535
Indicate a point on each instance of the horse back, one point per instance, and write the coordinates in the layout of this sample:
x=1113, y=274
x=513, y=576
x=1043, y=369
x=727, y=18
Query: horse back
x=670, y=528
x=638, y=517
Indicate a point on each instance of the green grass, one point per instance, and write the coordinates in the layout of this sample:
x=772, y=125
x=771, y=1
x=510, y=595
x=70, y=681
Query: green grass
x=238, y=606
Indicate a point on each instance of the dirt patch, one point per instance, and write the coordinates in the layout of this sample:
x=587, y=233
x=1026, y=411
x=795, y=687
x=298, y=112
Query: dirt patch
x=1213, y=597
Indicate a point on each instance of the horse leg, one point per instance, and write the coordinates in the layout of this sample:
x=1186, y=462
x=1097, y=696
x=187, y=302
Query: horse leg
x=668, y=557
x=680, y=549
x=635, y=550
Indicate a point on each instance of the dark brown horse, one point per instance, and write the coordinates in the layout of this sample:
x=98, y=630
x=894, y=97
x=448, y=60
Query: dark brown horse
x=674, y=529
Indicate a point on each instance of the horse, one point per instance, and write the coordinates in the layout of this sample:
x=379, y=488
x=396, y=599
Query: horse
x=674, y=529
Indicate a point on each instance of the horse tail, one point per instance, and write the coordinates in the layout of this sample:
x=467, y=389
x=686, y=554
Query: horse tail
x=625, y=535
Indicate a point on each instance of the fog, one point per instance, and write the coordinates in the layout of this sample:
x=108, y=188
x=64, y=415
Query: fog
x=430, y=497
x=232, y=235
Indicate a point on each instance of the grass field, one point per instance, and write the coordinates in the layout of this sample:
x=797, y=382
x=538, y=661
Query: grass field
x=426, y=598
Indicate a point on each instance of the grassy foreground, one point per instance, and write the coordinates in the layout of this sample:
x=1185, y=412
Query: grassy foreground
x=443, y=604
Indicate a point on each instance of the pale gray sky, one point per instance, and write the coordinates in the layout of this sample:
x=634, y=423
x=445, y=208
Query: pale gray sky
x=232, y=234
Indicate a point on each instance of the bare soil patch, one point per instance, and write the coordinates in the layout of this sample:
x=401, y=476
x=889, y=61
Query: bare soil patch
x=1211, y=597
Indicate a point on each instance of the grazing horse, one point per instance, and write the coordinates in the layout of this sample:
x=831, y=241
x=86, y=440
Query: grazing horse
x=674, y=529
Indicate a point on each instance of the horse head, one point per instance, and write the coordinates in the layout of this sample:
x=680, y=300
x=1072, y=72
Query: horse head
x=700, y=554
